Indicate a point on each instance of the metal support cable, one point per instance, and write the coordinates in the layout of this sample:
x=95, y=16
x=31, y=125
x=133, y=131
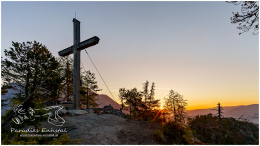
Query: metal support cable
x=101, y=76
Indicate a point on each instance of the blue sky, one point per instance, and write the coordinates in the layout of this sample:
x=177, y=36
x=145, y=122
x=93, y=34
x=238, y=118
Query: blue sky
x=190, y=47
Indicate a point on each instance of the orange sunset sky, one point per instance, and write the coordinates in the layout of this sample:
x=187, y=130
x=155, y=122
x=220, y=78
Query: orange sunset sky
x=190, y=47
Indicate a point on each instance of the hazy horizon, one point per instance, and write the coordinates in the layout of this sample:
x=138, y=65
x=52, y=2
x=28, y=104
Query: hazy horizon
x=223, y=106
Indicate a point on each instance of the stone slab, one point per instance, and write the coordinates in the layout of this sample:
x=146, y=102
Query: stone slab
x=77, y=112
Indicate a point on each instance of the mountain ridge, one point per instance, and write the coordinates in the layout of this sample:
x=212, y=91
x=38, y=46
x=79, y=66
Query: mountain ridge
x=244, y=111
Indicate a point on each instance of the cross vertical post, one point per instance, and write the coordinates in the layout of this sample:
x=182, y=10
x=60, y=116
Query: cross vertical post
x=75, y=49
x=76, y=64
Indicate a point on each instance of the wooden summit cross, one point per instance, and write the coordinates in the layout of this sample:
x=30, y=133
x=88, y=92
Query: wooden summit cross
x=76, y=48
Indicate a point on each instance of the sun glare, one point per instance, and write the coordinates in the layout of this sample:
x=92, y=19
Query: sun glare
x=161, y=107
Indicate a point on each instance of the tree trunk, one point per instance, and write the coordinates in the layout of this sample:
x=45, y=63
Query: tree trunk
x=87, y=96
x=68, y=80
x=35, y=77
x=130, y=110
x=27, y=102
x=219, y=124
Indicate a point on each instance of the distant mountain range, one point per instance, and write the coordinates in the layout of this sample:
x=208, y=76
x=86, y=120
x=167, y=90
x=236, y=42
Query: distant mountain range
x=244, y=111
x=103, y=100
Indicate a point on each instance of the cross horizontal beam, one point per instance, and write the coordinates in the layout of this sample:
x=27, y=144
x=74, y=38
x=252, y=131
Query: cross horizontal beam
x=85, y=44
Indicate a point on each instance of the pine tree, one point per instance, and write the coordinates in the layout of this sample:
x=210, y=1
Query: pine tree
x=30, y=65
x=248, y=18
x=145, y=93
x=89, y=89
x=133, y=99
x=219, y=115
x=66, y=67
x=121, y=96
x=176, y=105
x=144, y=104
x=3, y=91
x=151, y=96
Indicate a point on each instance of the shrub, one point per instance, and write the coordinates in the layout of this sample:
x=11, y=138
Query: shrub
x=206, y=129
x=174, y=133
x=64, y=140
x=159, y=136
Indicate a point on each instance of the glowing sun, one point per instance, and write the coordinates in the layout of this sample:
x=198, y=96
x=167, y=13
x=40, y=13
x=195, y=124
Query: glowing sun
x=161, y=107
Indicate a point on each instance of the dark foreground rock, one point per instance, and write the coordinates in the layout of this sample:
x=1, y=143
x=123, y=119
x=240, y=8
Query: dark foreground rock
x=107, y=129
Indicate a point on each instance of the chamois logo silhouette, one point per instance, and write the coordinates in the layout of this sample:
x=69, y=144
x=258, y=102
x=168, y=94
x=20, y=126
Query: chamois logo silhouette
x=21, y=115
